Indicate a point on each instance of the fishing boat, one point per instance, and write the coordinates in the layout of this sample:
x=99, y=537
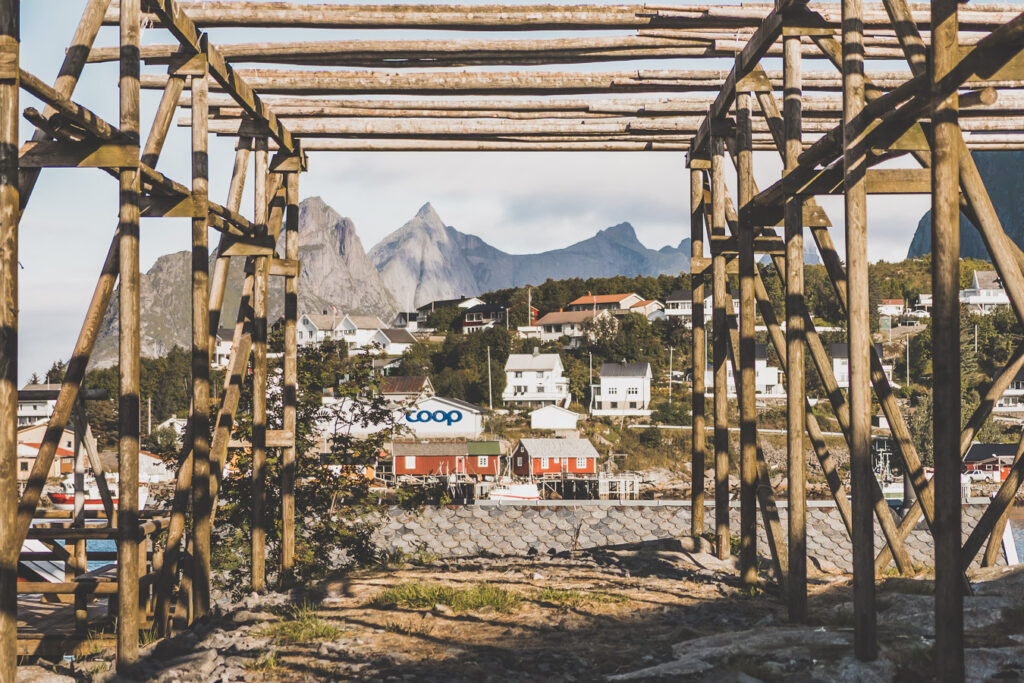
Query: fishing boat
x=514, y=492
x=65, y=498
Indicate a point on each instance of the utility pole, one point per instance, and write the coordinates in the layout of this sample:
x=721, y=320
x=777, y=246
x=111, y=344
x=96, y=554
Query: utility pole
x=908, y=359
x=490, y=394
x=149, y=415
x=975, y=337
x=670, y=349
x=590, y=377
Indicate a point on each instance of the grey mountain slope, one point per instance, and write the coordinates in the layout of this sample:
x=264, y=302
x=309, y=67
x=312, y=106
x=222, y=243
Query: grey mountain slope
x=1001, y=172
x=426, y=260
x=335, y=271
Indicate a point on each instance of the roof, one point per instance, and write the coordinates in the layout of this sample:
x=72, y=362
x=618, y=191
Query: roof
x=486, y=308
x=443, y=303
x=484, y=447
x=625, y=369
x=559, y=448
x=465, y=405
x=680, y=295
x=403, y=384
x=323, y=322
x=979, y=452
x=562, y=317
x=552, y=408
x=225, y=333
x=842, y=350
x=600, y=299
x=892, y=302
x=398, y=336
x=367, y=322
x=530, y=361
x=646, y=302
x=435, y=449
x=988, y=279
x=41, y=387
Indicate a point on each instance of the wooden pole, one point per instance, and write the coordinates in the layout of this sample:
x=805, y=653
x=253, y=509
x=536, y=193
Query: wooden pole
x=949, y=625
x=200, y=418
x=259, y=380
x=699, y=355
x=747, y=347
x=720, y=325
x=795, y=340
x=858, y=312
x=129, y=317
x=291, y=376
x=218, y=282
x=10, y=546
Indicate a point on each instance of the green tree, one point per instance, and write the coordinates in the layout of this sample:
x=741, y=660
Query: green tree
x=445, y=319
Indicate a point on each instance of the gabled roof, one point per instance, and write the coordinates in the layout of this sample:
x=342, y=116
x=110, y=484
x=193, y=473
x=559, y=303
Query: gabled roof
x=404, y=384
x=646, y=302
x=531, y=361
x=225, y=333
x=438, y=449
x=988, y=279
x=979, y=452
x=484, y=447
x=559, y=448
x=486, y=308
x=398, y=336
x=552, y=408
x=625, y=369
x=41, y=387
x=465, y=405
x=366, y=322
x=600, y=299
x=563, y=317
x=444, y=303
x=322, y=322
x=680, y=295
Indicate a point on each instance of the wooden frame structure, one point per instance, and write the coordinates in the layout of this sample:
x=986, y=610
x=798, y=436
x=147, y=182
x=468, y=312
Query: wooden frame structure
x=831, y=127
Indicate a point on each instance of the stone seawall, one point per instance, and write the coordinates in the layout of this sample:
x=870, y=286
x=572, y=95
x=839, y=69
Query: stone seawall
x=455, y=531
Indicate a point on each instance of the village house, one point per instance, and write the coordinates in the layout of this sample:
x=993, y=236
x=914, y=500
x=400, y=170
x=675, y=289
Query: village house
x=891, y=307
x=1012, y=400
x=624, y=389
x=484, y=316
x=615, y=303
x=32, y=409
x=840, y=354
x=535, y=379
x=554, y=418
x=359, y=331
x=414, y=460
x=29, y=441
x=222, y=348
x=312, y=328
x=923, y=305
x=403, y=389
x=767, y=378
x=428, y=417
x=462, y=302
x=534, y=458
x=679, y=306
x=569, y=324
x=992, y=460
x=985, y=293
x=409, y=321
x=652, y=309
x=392, y=341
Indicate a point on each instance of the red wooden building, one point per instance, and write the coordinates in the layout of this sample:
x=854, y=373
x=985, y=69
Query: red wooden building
x=553, y=457
x=474, y=459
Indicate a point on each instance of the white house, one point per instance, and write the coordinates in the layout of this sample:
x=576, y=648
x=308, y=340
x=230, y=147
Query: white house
x=178, y=424
x=610, y=302
x=569, y=324
x=554, y=418
x=33, y=410
x=222, y=349
x=1012, y=400
x=359, y=330
x=891, y=307
x=840, y=354
x=679, y=306
x=393, y=341
x=315, y=328
x=652, y=309
x=623, y=389
x=767, y=378
x=535, y=379
x=484, y=316
x=985, y=293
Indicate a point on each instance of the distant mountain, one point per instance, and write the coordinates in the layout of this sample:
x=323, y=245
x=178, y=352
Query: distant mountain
x=426, y=260
x=1001, y=172
x=335, y=272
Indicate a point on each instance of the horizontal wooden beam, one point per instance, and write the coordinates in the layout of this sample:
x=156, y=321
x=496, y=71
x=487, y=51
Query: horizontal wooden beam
x=89, y=154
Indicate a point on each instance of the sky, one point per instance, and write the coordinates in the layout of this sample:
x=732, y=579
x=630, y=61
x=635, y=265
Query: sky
x=518, y=202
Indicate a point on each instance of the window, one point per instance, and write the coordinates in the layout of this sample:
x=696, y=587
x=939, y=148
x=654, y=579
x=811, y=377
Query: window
x=581, y=463
x=615, y=404
x=613, y=391
x=632, y=391
x=518, y=375
x=410, y=462
x=24, y=466
x=540, y=388
x=543, y=463
x=519, y=461
x=481, y=461
x=632, y=404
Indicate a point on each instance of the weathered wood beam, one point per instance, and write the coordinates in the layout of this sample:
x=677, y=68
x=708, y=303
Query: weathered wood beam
x=698, y=445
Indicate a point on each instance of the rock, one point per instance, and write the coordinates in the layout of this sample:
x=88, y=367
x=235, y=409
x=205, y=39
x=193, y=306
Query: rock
x=443, y=610
x=537, y=576
x=249, y=617
x=729, y=677
x=37, y=674
x=989, y=664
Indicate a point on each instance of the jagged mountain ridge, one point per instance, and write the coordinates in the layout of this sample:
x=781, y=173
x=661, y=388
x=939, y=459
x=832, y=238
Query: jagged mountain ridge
x=335, y=272
x=426, y=260
x=1005, y=185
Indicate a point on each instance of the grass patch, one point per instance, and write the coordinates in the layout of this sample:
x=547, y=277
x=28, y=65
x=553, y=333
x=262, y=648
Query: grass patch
x=268, y=662
x=409, y=627
x=425, y=595
x=302, y=624
x=574, y=598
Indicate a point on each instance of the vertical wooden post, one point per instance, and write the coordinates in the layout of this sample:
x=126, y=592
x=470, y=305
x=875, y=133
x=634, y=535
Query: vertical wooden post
x=200, y=418
x=699, y=355
x=858, y=312
x=797, y=469
x=10, y=546
x=80, y=562
x=291, y=373
x=747, y=350
x=949, y=625
x=259, y=380
x=128, y=403
x=720, y=329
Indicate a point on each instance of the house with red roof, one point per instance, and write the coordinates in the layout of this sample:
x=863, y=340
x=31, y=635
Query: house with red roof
x=605, y=302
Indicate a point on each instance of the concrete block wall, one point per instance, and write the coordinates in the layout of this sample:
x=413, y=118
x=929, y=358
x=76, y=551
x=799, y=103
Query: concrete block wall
x=454, y=531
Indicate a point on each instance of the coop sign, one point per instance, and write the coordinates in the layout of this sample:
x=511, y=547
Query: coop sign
x=449, y=417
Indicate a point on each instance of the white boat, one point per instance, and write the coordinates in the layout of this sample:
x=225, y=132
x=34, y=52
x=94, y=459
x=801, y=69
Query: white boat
x=514, y=492
x=65, y=498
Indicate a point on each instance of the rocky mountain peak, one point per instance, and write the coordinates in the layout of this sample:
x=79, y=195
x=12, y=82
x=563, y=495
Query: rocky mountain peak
x=623, y=232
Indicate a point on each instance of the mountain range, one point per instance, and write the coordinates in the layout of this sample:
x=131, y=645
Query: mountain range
x=421, y=261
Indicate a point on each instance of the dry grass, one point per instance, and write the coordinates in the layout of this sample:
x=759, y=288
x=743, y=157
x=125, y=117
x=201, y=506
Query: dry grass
x=415, y=595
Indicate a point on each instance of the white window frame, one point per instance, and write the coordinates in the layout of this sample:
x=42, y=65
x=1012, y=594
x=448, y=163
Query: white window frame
x=410, y=462
x=544, y=464
x=581, y=463
x=481, y=461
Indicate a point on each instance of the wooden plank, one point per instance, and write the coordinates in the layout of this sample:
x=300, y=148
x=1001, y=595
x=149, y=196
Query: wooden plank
x=59, y=154
x=291, y=370
x=898, y=181
x=258, y=572
x=720, y=331
x=698, y=351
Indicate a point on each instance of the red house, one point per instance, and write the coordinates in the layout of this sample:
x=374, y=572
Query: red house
x=992, y=459
x=413, y=459
x=553, y=457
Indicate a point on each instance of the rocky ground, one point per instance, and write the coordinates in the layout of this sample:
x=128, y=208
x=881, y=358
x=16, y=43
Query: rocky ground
x=664, y=611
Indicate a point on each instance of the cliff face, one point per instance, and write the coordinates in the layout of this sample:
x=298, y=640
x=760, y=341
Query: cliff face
x=1005, y=184
x=425, y=260
x=335, y=272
